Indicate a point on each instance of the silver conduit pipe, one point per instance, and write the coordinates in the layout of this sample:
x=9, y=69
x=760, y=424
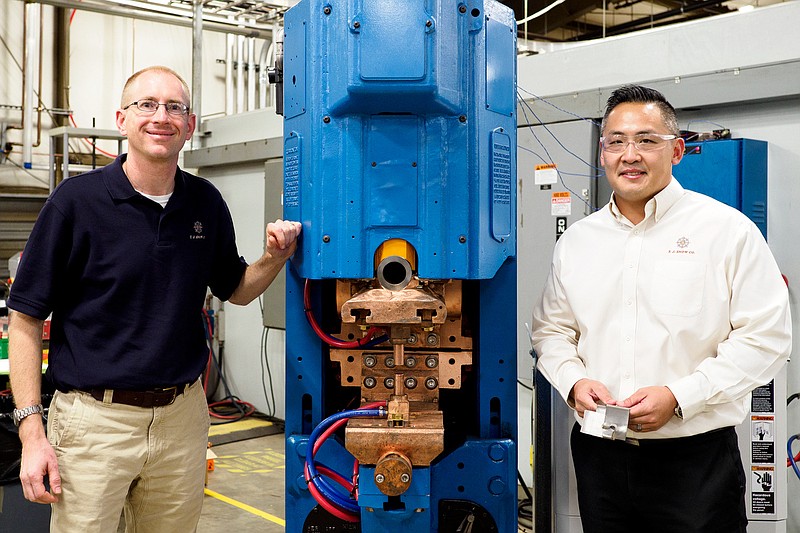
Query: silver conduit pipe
x=33, y=22
x=252, y=73
x=197, y=68
x=173, y=16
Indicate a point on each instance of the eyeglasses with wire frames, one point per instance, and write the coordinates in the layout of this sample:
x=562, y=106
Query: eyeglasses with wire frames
x=149, y=107
x=643, y=142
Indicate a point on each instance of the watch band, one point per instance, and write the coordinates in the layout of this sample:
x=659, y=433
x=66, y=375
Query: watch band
x=21, y=414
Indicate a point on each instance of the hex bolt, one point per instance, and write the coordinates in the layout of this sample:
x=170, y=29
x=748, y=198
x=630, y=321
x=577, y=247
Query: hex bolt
x=430, y=383
x=411, y=382
x=370, y=382
x=405, y=478
x=432, y=339
x=370, y=361
x=389, y=362
x=412, y=339
x=411, y=362
x=431, y=362
x=379, y=478
x=388, y=383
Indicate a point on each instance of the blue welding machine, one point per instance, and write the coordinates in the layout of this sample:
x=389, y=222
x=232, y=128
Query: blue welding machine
x=400, y=162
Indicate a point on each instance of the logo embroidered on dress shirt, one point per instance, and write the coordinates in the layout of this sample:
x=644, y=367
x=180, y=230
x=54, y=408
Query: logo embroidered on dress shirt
x=682, y=244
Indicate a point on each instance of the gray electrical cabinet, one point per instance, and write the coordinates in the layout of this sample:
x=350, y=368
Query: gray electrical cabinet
x=275, y=296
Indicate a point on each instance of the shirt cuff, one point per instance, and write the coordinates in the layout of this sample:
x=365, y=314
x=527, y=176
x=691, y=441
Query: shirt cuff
x=688, y=392
x=569, y=378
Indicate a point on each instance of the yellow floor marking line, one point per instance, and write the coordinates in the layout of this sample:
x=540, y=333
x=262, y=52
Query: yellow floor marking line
x=240, y=425
x=245, y=507
x=253, y=462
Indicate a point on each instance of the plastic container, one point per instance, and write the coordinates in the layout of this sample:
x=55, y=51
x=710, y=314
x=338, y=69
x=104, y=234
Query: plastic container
x=13, y=263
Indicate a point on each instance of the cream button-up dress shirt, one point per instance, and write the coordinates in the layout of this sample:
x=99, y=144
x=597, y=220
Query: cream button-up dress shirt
x=690, y=298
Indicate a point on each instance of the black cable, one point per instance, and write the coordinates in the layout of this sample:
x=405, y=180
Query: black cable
x=271, y=405
x=524, y=386
x=265, y=364
x=26, y=171
x=235, y=404
x=525, y=506
x=528, y=495
x=793, y=397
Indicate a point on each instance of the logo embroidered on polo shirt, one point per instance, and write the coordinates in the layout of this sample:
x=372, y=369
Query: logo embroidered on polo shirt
x=682, y=244
x=198, y=231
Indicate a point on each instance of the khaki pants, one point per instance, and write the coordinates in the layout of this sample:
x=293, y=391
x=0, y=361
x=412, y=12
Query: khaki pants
x=151, y=461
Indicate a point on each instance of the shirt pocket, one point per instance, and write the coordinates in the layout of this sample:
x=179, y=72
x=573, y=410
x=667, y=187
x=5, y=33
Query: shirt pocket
x=678, y=287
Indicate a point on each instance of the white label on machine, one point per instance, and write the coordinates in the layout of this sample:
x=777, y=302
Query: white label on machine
x=545, y=175
x=763, y=493
x=561, y=204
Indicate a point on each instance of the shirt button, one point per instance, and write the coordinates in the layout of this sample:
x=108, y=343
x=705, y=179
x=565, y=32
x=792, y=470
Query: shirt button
x=627, y=339
x=627, y=376
x=636, y=232
x=630, y=302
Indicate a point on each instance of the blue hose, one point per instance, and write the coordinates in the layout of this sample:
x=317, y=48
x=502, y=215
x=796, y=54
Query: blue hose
x=791, y=455
x=322, y=485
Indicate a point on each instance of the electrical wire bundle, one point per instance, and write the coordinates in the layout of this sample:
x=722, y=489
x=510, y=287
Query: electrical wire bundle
x=791, y=459
x=230, y=408
x=524, y=507
x=327, y=495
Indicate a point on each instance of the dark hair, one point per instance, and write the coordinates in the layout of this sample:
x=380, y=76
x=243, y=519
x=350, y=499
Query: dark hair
x=642, y=95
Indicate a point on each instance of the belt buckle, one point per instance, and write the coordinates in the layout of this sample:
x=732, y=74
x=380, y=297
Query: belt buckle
x=173, y=390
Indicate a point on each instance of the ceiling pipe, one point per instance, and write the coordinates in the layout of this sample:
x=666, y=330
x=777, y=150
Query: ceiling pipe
x=197, y=69
x=628, y=26
x=32, y=32
x=234, y=26
x=60, y=80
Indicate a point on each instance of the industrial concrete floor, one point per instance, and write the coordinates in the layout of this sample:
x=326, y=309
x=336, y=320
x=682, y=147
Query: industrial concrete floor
x=245, y=492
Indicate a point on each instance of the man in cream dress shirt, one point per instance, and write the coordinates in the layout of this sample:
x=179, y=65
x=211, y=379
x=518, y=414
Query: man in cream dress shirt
x=669, y=303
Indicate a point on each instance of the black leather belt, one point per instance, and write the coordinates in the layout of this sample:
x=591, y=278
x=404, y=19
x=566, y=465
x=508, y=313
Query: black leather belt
x=147, y=398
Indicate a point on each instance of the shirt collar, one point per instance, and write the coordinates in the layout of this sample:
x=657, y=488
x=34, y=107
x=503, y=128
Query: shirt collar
x=121, y=189
x=656, y=206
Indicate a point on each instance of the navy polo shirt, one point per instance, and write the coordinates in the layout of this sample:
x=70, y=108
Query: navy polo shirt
x=126, y=279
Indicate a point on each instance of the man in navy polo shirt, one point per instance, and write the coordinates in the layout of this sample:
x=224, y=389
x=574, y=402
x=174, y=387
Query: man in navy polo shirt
x=122, y=257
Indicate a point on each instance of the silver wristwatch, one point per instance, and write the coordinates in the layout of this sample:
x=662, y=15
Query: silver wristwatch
x=21, y=414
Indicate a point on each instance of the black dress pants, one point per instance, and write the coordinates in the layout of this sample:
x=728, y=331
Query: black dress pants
x=683, y=485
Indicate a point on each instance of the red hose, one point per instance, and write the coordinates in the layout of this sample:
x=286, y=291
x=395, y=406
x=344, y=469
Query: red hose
x=328, y=506
x=329, y=339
